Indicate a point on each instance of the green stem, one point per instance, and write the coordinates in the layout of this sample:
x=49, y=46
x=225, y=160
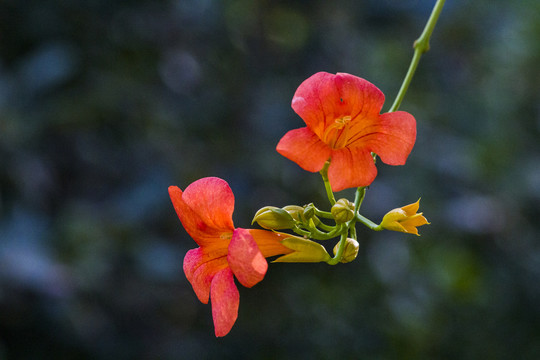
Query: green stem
x=352, y=230
x=317, y=234
x=421, y=46
x=325, y=227
x=359, y=198
x=324, y=174
x=323, y=214
x=370, y=224
x=300, y=231
x=339, y=254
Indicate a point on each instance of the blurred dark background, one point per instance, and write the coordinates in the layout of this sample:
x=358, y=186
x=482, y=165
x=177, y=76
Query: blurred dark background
x=104, y=104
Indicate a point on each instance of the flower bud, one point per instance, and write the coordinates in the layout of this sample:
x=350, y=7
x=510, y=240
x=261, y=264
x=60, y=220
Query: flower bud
x=297, y=212
x=273, y=218
x=404, y=219
x=304, y=251
x=343, y=211
x=350, y=251
x=309, y=211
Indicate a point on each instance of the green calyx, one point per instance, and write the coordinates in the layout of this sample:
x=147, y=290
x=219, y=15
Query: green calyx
x=273, y=218
x=304, y=251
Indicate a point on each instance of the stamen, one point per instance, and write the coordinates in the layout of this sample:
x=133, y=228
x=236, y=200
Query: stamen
x=343, y=120
x=338, y=138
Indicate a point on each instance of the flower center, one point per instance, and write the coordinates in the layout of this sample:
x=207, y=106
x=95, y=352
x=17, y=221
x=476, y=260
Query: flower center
x=342, y=121
x=337, y=134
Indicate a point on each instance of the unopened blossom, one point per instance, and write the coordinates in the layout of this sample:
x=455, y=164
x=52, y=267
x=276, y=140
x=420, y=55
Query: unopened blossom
x=404, y=219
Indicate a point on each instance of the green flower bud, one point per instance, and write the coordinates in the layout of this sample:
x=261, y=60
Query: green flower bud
x=309, y=211
x=350, y=252
x=343, y=211
x=273, y=218
x=297, y=212
x=304, y=251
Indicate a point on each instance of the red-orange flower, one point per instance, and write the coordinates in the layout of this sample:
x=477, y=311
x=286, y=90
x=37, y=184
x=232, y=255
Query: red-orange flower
x=205, y=209
x=344, y=124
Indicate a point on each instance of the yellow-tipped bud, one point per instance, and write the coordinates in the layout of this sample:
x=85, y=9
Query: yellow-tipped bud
x=404, y=219
x=304, y=251
x=342, y=211
x=273, y=218
x=350, y=252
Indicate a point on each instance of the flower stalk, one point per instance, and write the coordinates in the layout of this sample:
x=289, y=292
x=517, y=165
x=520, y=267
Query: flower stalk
x=327, y=186
x=421, y=46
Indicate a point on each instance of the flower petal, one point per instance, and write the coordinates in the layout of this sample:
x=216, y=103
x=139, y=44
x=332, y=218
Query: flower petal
x=308, y=100
x=411, y=209
x=225, y=302
x=187, y=217
x=192, y=260
x=304, y=148
x=394, y=139
x=324, y=97
x=245, y=259
x=360, y=97
x=413, y=222
x=206, y=222
x=213, y=200
x=200, y=276
x=397, y=226
x=351, y=167
x=269, y=242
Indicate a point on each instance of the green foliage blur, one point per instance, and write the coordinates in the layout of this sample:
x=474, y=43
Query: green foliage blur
x=104, y=104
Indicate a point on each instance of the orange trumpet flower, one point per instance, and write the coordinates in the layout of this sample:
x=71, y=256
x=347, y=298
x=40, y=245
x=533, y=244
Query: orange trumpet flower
x=344, y=124
x=205, y=209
